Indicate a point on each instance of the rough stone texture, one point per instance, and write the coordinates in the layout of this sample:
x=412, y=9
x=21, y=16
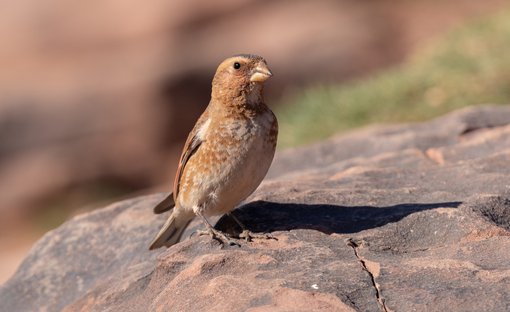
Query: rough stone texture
x=395, y=218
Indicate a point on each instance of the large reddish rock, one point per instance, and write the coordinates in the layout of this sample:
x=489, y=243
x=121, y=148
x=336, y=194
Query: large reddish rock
x=394, y=218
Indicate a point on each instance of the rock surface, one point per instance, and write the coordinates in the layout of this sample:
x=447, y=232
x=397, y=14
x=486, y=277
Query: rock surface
x=394, y=218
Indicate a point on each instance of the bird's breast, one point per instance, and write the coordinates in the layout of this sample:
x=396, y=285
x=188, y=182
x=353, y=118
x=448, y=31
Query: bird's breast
x=233, y=160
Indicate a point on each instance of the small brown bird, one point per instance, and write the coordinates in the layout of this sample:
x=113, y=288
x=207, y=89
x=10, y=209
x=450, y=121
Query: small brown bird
x=226, y=155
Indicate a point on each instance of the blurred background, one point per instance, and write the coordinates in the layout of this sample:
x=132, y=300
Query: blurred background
x=97, y=97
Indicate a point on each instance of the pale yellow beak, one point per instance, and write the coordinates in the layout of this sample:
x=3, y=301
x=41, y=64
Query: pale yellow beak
x=261, y=73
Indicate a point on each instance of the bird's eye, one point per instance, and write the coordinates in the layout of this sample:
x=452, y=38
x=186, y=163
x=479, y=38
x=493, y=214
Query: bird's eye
x=237, y=65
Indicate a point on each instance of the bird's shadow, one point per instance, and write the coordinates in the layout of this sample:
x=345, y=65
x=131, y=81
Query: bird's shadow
x=263, y=216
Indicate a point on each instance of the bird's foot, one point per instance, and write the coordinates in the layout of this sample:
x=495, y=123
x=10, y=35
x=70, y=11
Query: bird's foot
x=219, y=236
x=249, y=235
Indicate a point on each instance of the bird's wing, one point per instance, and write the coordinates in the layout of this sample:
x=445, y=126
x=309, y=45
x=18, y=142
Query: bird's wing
x=191, y=147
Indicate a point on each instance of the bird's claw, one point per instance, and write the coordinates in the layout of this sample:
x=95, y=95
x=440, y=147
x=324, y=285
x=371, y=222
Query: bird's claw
x=249, y=235
x=219, y=236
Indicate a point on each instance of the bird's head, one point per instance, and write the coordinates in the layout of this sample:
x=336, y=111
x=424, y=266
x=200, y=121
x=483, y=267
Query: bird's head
x=241, y=77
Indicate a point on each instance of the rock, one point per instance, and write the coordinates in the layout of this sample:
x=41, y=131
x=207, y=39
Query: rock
x=367, y=221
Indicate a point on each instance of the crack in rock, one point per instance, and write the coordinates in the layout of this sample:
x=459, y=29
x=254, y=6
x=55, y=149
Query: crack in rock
x=380, y=299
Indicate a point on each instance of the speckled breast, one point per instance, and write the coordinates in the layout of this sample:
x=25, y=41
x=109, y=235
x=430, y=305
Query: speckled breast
x=240, y=153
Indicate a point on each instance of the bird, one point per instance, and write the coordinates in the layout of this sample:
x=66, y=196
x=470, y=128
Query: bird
x=226, y=155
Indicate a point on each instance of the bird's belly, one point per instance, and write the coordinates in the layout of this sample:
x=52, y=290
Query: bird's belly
x=245, y=176
x=231, y=177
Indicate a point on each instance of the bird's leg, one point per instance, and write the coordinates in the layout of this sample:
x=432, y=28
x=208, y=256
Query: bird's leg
x=217, y=235
x=247, y=234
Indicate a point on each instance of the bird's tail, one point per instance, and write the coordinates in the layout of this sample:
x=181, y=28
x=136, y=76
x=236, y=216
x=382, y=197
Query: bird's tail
x=165, y=205
x=172, y=230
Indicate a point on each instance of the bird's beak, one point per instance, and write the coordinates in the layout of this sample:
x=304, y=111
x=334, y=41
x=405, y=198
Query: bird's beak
x=261, y=73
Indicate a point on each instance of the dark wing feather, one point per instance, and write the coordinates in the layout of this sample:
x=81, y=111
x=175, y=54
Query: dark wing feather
x=190, y=147
x=189, y=150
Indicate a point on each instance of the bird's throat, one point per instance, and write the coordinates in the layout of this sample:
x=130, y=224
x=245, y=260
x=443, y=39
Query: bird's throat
x=250, y=97
x=254, y=95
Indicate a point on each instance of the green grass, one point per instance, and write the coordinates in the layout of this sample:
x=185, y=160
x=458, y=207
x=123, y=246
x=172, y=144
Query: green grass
x=468, y=66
